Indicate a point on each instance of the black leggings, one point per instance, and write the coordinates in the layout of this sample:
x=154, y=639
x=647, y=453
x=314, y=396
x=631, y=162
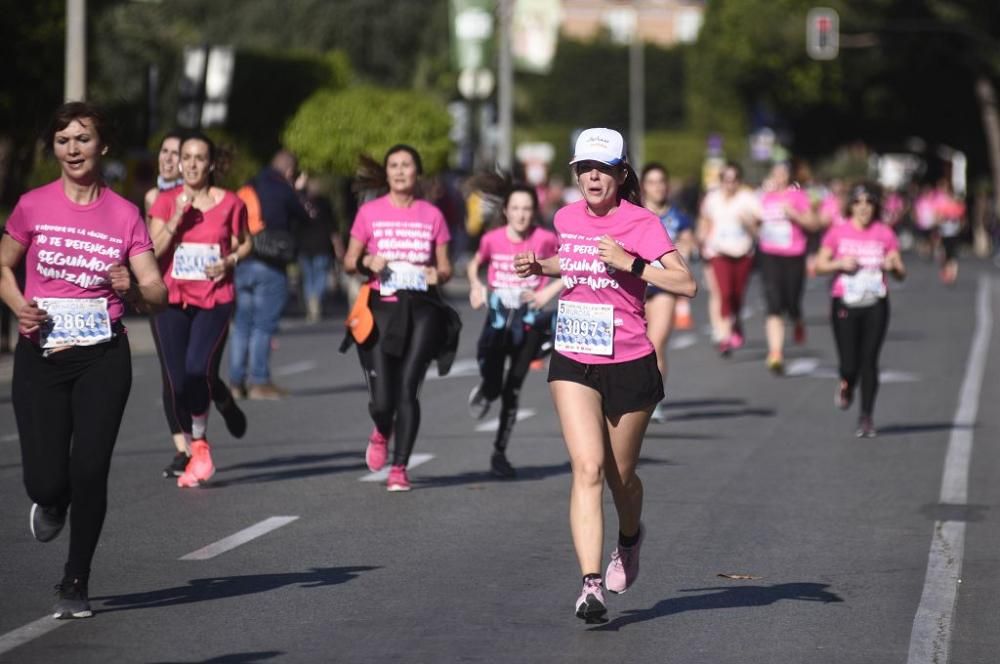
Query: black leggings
x=495, y=348
x=859, y=333
x=394, y=382
x=190, y=342
x=220, y=393
x=784, y=279
x=68, y=408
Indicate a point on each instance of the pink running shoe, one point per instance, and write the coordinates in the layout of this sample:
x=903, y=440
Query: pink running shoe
x=377, y=451
x=590, y=604
x=736, y=341
x=200, y=467
x=398, y=481
x=624, y=566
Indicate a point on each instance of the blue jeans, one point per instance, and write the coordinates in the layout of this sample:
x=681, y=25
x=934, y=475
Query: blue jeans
x=314, y=272
x=261, y=293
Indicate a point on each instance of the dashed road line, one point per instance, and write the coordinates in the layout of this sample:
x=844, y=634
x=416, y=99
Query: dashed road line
x=383, y=475
x=494, y=424
x=237, y=539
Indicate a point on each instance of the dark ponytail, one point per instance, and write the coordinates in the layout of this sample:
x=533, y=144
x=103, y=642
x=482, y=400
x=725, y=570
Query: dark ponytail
x=631, y=189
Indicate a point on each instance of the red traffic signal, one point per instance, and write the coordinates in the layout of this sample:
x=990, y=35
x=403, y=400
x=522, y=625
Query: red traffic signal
x=822, y=33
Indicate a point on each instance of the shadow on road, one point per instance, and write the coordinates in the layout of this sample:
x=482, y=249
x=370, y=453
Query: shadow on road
x=224, y=587
x=327, y=390
x=725, y=598
x=524, y=473
x=234, y=658
x=279, y=470
x=924, y=427
x=720, y=414
x=702, y=403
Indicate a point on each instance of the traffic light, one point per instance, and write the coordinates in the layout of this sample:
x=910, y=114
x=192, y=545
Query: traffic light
x=822, y=33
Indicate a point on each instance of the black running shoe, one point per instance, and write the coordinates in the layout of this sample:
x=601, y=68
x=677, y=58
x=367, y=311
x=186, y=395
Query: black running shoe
x=236, y=421
x=73, y=601
x=500, y=467
x=46, y=522
x=177, y=467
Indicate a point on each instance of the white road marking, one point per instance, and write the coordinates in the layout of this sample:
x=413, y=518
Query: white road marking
x=242, y=537
x=29, y=632
x=682, y=341
x=466, y=367
x=802, y=366
x=383, y=475
x=494, y=424
x=930, y=639
x=885, y=376
x=294, y=368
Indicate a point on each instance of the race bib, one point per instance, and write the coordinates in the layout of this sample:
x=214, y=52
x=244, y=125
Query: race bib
x=509, y=297
x=74, y=322
x=732, y=240
x=191, y=259
x=403, y=276
x=585, y=328
x=777, y=233
x=863, y=288
x=950, y=227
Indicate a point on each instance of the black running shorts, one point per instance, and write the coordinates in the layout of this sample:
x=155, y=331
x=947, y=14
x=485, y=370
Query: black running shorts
x=625, y=387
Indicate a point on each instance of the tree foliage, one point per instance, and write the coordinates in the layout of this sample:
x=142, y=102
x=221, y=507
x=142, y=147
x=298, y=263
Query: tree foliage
x=331, y=129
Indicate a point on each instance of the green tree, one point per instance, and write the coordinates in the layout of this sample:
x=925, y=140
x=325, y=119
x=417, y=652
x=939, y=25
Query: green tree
x=332, y=128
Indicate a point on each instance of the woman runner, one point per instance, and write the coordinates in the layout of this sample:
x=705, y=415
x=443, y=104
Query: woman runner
x=72, y=366
x=603, y=374
x=400, y=244
x=859, y=253
x=660, y=305
x=199, y=233
x=515, y=323
x=169, y=161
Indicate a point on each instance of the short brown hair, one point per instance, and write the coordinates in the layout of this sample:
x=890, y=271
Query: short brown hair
x=77, y=110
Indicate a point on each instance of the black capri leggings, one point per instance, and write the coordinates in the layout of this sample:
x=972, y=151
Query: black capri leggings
x=394, y=381
x=784, y=279
x=859, y=333
x=219, y=392
x=496, y=348
x=68, y=408
x=190, y=341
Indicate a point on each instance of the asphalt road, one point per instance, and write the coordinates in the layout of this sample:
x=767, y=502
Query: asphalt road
x=751, y=476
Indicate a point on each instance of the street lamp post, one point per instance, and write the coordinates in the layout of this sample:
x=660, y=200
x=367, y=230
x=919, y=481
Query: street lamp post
x=75, y=87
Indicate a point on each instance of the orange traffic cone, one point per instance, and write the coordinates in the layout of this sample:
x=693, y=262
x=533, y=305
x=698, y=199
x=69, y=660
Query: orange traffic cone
x=682, y=314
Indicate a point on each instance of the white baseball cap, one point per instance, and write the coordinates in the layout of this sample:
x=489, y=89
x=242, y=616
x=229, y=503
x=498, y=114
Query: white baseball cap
x=598, y=144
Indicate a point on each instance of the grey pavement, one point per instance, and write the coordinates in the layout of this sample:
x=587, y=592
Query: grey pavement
x=750, y=476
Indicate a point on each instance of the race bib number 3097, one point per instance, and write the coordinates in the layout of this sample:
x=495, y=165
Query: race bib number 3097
x=585, y=328
x=74, y=322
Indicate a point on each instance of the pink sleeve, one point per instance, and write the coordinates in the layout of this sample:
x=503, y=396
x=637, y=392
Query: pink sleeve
x=831, y=239
x=15, y=226
x=551, y=247
x=138, y=241
x=891, y=241
x=442, y=234
x=239, y=220
x=801, y=201
x=162, y=207
x=361, y=228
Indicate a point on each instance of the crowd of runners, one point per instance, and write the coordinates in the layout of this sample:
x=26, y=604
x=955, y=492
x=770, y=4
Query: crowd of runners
x=598, y=293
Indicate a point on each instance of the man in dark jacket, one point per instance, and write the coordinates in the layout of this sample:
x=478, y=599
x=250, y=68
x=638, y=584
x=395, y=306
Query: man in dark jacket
x=262, y=284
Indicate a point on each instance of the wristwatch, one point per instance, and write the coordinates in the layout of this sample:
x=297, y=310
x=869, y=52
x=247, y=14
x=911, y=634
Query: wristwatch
x=638, y=265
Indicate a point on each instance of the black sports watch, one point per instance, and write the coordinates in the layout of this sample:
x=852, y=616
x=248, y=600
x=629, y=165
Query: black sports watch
x=638, y=265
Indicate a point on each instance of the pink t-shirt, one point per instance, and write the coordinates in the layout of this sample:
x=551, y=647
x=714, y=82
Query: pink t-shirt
x=405, y=235
x=71, y=248
x=497, y=251
x=213, y=227
x=779, y=235
x=589, y=281
x=869, y=247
